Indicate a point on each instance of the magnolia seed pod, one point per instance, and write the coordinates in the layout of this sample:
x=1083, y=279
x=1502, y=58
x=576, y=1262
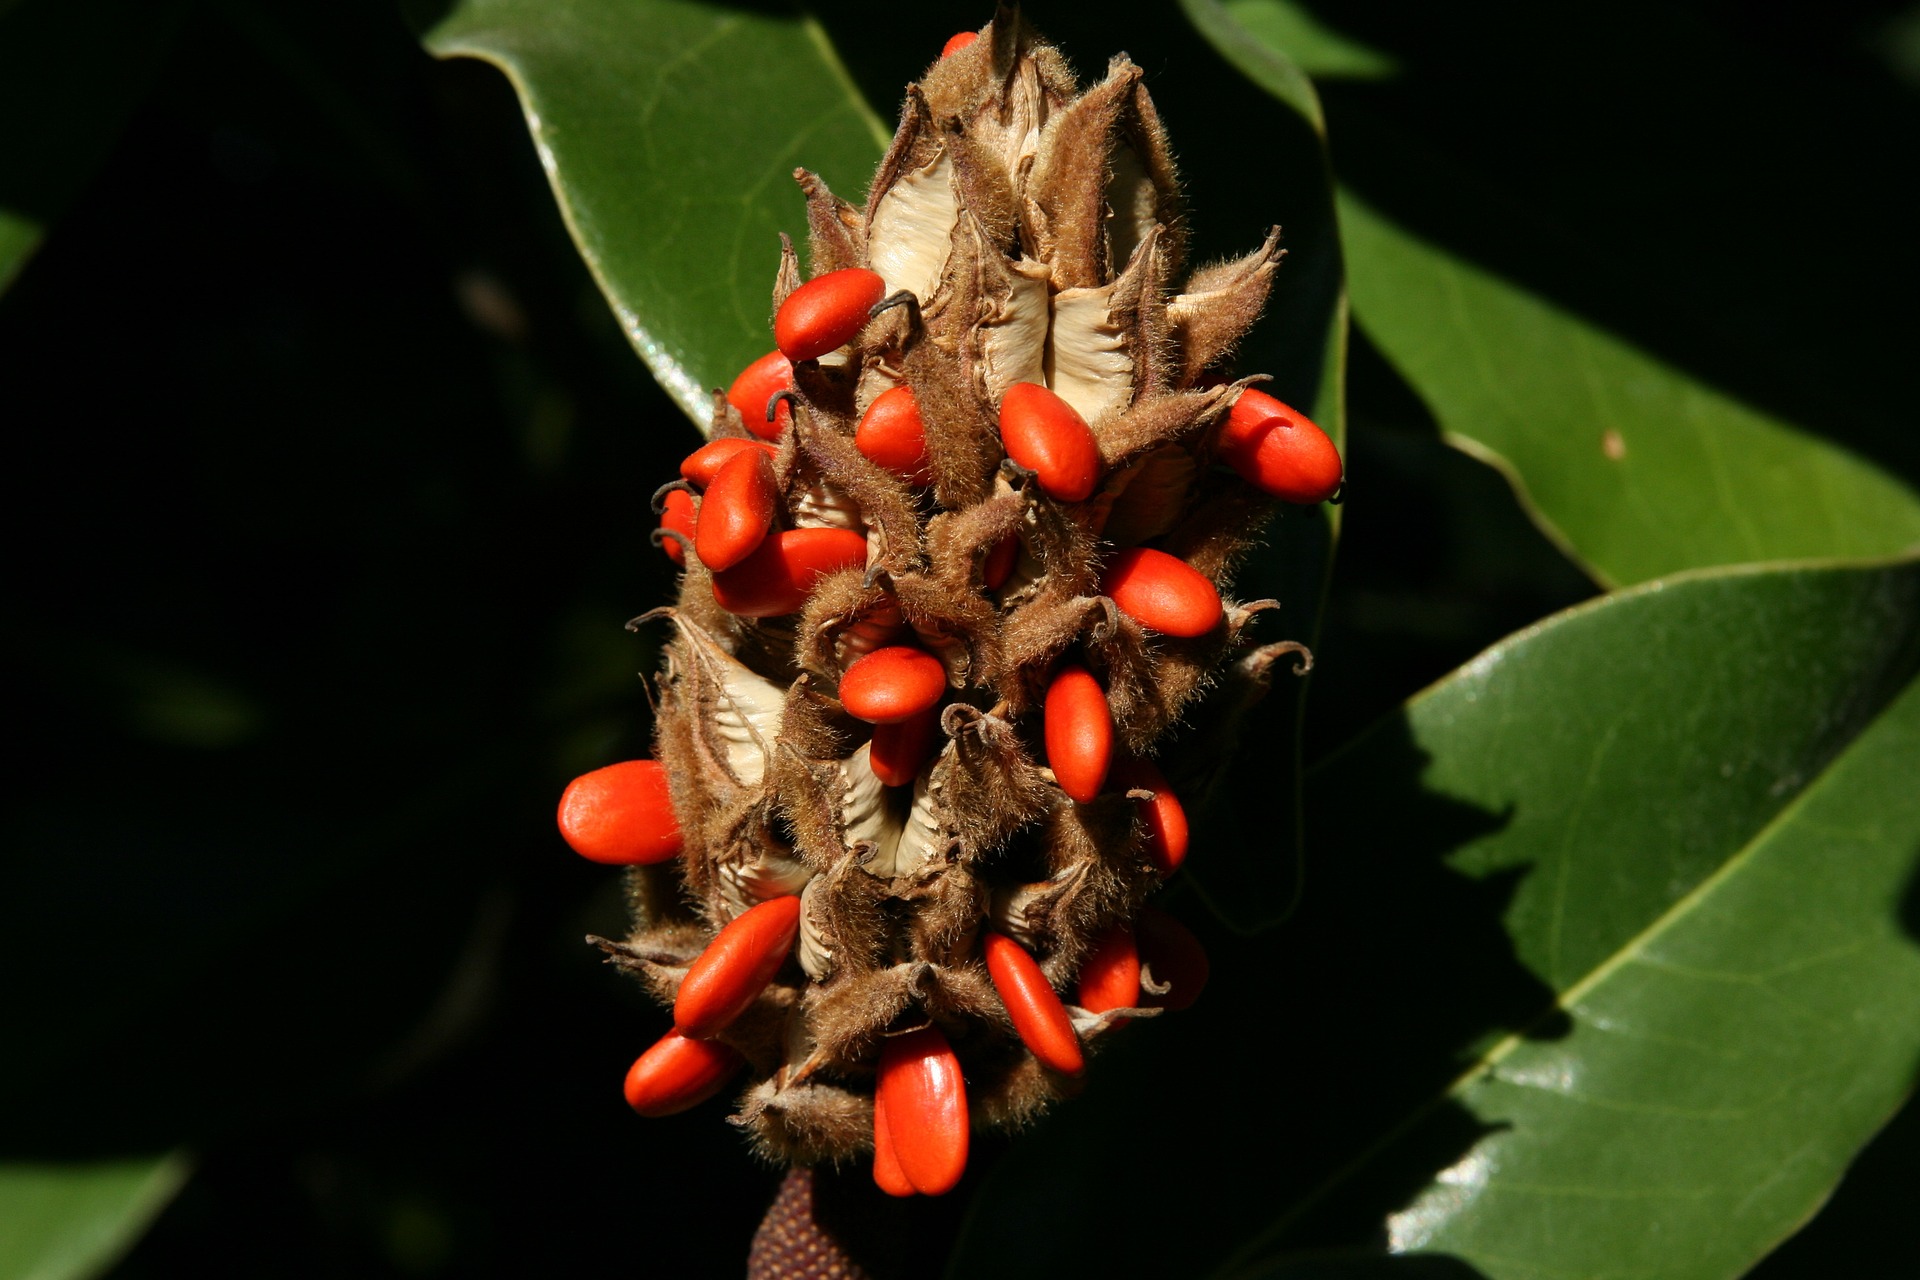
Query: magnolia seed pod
x=1279, y=450
x=826, y=312
x=1079, y=732
x=893, y=684
x=739, y=506
x=893, y=435
x=1044, y=434
x=1042, y=1021
x=1159, y=591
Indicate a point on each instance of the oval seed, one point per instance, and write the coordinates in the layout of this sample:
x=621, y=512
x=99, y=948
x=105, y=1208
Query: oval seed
x=1078, y=727
x=622, y=814
x=777, y=578
x=1042, y=1021
x=926, y=1100
x=1174, y=956
x=1110, y=973
x=893, y=684
x=1165, y=817
x=1046, y=435
x=681, y=516
x=887, y=1173
x=704, y=463
x=678, y=1073
x=1162, y=592
x=755, y=386
x=900, y=749
x=998, y=566
x=955, y=44
x=1279, y=450
x=727, y=977
x=826, y=312
x=893, y=435
x=739, y=506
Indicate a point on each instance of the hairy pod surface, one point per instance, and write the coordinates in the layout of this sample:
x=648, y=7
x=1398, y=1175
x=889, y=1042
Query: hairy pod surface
x=981, y=550
x=678, y=1073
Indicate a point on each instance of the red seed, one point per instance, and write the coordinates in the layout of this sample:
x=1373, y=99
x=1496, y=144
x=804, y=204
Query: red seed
x=1036, y=1011
x=1166, y=820
x=777, y=578
x=826, y=312
x=1162, y=592
x=893, y=684
x=1046, y=435
x=1279, y=451
x=925, y=1098
x=1175, y=957
x=1078, y=726
x=892, y=435
x=900, y=749
x=755, y=386
x=727, y=977
x=1110, y=974
x=678, y=1073
x=887, y=1173
x=622, y=814
x=955, y=44
x=739, y=506
x=999, y=563
x=682, y=516
x=704, y=463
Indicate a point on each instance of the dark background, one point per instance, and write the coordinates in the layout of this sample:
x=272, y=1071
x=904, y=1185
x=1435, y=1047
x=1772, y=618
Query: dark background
x=328, y=500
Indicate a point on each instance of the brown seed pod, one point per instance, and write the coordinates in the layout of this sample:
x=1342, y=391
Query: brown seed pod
x=853, y=711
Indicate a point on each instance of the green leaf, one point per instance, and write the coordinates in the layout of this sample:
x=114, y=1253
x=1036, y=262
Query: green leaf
x=1315, y=48
x=1702, y=794
x=670, y=131
x=1635, y=469
x=70, y=76
x=1657, y=849
x=67, y=1221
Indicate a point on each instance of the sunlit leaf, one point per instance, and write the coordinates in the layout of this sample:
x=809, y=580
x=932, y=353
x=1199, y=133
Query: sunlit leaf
x=69, y=1221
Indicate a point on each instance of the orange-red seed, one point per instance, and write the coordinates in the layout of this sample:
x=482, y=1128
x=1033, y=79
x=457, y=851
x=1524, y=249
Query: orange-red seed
x=678, y=1073
x=725, y=979
x=1165, y=818
x=739, y=505
x=681, y=516
x=1046, y=435
x=1162, y=592
x=704, y=463
x=826, y=312
x=955, y=44
x=777, y=578
x=1042, y=1021
x=1175, y=956
x=1001, y=557
x=893, y=435
x=1110, y=973
x=755, y=386
x=1279, y=450
x=892, y=684
x=900, y=749
x=622, y=814
x=1078, y=727
x=926, y=1100
x=887, y=1173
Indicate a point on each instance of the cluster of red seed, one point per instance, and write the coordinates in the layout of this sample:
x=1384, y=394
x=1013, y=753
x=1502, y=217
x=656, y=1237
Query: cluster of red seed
x=729, y=515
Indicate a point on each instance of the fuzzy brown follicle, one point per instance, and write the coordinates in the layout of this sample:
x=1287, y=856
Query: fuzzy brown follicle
x=1025, y=231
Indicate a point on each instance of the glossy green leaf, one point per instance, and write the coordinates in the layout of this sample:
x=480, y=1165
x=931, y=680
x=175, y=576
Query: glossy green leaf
x=1310, y=44
x=1634, y=468
x=1703, y=794
x=1652, y=855
x=670, y=131
x=70, y=75
x=72, y=1220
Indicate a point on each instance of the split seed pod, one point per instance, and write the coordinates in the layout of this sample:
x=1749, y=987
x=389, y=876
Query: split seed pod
x=890, y=698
